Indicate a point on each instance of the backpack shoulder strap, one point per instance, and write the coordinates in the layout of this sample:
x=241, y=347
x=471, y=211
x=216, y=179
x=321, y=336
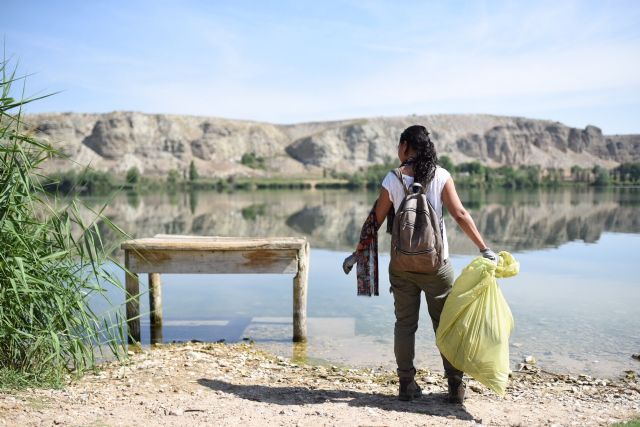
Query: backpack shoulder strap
x=398, y=175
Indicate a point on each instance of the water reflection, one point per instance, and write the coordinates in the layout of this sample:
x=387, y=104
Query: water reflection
x=513, y=221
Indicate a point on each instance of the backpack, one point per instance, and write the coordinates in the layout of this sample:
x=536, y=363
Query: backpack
x=416, y=237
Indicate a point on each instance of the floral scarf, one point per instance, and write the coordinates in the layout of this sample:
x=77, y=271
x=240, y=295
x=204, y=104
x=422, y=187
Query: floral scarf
x=366, y=260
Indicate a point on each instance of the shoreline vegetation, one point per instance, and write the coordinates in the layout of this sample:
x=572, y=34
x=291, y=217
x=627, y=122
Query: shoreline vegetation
x=467, y=175
x=240, y=384
x=52, y=265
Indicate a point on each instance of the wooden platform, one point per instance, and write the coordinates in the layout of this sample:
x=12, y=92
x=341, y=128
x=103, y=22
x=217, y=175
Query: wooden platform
x=212, y=255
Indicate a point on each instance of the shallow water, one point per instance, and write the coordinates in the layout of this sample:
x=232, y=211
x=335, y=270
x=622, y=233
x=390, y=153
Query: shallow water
x=575, y=301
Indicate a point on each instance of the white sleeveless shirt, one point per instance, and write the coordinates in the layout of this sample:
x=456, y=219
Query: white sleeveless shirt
x=434, y=194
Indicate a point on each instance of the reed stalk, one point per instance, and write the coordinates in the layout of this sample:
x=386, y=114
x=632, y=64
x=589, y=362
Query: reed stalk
x=53, y=264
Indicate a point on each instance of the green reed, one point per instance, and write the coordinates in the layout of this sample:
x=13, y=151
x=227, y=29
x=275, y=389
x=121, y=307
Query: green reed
x=53, y=262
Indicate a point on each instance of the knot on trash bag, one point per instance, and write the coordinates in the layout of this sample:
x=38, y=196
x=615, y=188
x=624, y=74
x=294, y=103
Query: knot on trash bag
x=507, y=265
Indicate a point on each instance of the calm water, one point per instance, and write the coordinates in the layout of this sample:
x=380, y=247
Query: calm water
x=575, y=301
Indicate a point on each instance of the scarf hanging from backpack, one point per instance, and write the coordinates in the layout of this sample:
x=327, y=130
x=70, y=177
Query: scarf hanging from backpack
x=366, y=260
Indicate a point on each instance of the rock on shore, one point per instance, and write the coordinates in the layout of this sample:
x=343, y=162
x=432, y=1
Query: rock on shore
x=230, y=385
x=158, y=143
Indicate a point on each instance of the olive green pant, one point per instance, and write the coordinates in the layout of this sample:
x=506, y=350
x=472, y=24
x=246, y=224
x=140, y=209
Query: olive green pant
x=407, y=289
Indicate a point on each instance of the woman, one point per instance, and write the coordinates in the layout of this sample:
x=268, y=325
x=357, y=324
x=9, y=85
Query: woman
x=418, y=159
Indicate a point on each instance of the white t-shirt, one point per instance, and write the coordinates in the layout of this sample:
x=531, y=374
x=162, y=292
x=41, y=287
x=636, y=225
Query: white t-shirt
x=434, y=194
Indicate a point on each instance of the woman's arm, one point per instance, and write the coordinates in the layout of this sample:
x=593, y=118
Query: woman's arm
x=383, y=204
x=453, y=204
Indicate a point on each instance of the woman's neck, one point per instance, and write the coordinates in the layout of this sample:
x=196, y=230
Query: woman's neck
x=406, y=170
x=406, y=167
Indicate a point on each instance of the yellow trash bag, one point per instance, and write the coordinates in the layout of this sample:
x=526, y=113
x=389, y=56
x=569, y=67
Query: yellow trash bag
x=476, y=322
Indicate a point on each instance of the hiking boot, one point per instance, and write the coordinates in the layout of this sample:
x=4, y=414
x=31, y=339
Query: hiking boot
x=409, y=390
x=456, y=390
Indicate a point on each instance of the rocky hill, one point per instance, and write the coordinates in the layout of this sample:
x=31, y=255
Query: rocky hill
x=157, y=143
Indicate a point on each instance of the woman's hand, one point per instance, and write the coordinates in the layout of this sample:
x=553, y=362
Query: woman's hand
x=490, y=255
x=349, y=262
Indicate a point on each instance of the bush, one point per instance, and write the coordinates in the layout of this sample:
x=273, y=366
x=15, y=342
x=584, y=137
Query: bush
x=52, y=263
x=88, y=181
x=602, y=176
x=133, y=175
x=173, y=177
x=252, y=161
x=95, y=182
x=65, y=182
x=628, y=172
x=446, y=162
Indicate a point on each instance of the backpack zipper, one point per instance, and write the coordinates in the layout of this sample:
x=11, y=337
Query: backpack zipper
x=414, y=253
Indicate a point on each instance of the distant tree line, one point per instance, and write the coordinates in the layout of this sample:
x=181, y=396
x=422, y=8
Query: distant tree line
x=467, y=174
x=91, y=181
x=475, y=174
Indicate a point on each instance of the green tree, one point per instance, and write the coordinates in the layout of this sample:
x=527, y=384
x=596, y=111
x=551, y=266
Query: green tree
x=532, y=174
x=579, y=174
x=252, y=160
x=447, y=163
x=472, y=168
x=95, y=182
x=507, y=177
x=628, y=172
x=602, y=177
x=193, y=172
x=173, y=177
x=133, y=175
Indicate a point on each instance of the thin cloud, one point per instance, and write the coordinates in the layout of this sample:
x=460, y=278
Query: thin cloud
x=347, y=59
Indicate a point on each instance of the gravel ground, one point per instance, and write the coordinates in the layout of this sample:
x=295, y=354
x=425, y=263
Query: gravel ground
x=230, y=385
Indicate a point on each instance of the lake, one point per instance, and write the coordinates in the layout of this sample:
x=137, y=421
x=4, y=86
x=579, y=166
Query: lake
x=575, y=301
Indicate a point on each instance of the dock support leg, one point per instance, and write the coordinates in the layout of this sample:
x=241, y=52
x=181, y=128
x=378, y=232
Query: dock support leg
x=300, y=295
x=155, y=306
x=133, y=303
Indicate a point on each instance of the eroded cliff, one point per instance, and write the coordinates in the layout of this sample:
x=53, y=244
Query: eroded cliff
x=156, y=144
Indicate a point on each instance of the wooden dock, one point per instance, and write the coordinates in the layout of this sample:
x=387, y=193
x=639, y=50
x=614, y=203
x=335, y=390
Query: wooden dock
x=211, y=255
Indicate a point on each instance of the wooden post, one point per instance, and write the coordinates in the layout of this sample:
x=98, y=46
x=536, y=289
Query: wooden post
x=155, y=306
x=300, y=295
x=300, y=353
x=133, y=302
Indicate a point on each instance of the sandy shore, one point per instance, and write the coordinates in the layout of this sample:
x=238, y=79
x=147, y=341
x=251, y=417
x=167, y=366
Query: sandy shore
x=230, y=385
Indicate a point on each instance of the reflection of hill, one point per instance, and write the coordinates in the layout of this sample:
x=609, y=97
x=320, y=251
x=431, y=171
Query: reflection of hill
x=517, y=228
x=332, y=219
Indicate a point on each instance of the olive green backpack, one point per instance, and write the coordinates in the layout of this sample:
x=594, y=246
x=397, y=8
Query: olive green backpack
x=416, y=237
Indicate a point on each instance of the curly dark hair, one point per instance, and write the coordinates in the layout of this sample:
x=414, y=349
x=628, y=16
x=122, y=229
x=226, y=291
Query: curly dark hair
x=426, y=159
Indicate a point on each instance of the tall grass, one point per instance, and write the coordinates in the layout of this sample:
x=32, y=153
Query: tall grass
x=53, y=262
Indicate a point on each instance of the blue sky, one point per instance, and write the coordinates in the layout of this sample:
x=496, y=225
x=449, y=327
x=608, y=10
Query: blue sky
x=577, y=62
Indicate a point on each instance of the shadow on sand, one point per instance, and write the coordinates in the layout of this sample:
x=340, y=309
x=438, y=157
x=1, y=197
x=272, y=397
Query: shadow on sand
x=429, y=404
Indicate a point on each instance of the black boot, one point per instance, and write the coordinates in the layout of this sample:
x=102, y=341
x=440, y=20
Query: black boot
x=456, y=390
x=409, y=389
